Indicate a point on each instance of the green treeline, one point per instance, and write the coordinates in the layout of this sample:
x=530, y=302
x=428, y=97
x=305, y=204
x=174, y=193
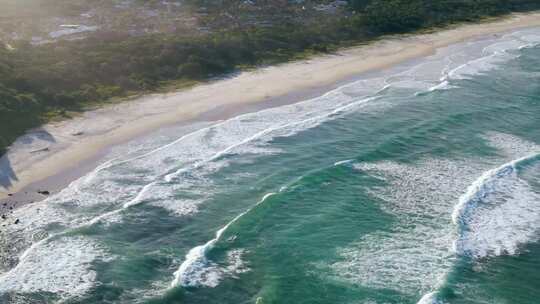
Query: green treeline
x=38, y=82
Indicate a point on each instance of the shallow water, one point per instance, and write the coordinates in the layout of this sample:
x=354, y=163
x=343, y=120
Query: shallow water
x=416, y=185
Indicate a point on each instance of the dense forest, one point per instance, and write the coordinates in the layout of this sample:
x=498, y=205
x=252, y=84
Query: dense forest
x=38, y=82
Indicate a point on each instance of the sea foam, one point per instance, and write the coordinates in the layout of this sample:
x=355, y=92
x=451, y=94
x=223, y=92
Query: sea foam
x=498, y=212
x=417, y=254
x=61, y=266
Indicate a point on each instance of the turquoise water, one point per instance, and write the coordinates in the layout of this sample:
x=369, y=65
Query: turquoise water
x=416, y=185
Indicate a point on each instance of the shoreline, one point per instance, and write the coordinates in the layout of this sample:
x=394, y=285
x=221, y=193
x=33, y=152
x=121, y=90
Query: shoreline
x=50, y=157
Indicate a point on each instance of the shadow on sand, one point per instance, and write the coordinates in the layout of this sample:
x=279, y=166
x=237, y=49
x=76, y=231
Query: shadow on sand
x=7, y=175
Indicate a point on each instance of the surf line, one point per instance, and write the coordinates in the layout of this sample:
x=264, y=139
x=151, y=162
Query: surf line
x=479, y=189
x=269, y=130
x=196, y=259
x=171, y=176
x=111, y=163
x=168, y=177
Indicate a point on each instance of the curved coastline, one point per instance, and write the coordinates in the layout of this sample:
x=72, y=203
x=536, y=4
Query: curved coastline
x=159, y=181
x=70, y=156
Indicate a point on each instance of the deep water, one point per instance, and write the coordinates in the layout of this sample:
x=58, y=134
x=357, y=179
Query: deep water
x=420, y=184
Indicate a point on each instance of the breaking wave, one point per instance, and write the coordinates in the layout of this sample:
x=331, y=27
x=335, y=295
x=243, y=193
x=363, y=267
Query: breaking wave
x=197, y=269
x=498, y=213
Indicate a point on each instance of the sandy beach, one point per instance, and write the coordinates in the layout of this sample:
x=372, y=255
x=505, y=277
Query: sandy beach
x=50, y=157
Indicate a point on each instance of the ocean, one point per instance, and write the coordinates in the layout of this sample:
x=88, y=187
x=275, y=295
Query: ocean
x=417, y=184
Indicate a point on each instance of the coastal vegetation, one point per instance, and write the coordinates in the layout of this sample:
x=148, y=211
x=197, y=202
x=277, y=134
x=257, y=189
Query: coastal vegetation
x=41, y=81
